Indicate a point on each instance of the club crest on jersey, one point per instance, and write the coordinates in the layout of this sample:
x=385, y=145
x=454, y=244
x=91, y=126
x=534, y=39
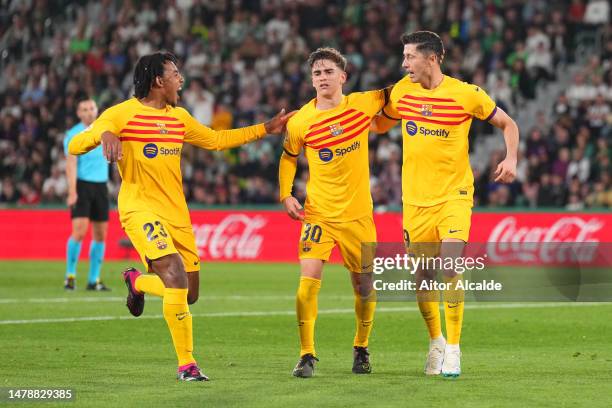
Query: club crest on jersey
x=306, y=246
x=161, y=244
x=426, y=110
x=162, y=128
x=336, y=129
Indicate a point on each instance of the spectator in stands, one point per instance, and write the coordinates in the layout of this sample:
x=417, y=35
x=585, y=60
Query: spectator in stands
x=9, y=194
x=241, y=63
x=580, y=166
x=598, y=115
x=55, y=186
x=580, y=91
x=560, y=166
x=199, y=101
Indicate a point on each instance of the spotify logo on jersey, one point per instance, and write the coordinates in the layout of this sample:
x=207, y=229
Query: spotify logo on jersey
x=411, y=128
x=326, y=155
x=150, y=150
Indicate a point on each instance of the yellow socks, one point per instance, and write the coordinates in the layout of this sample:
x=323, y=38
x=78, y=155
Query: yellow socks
x=149, y=284
x=364, y=316
x=453, y=311
x=306, y=308
x=430, y=310
x=176, y=313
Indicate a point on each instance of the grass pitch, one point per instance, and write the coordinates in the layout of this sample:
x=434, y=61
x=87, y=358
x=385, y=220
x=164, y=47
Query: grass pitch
x=514, y=355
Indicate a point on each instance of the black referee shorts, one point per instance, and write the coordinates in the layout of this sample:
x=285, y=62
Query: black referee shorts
x=92, y=201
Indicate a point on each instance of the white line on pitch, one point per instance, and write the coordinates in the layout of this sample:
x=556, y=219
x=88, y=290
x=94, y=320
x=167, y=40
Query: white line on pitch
x=292, y=312
x=102, y=299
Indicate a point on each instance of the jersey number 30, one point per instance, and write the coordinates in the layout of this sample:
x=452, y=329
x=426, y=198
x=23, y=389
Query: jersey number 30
x=312, y=232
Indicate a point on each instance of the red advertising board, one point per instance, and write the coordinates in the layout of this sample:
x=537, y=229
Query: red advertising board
x=271, y=236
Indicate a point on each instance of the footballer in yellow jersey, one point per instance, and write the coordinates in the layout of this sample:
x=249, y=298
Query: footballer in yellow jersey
x=332, y=129
x=145, y=135
x=436, y=112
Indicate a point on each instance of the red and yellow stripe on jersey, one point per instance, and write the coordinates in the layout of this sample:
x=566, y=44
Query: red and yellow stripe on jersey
x=435, y=127
x=336, y=147
x=152, y=141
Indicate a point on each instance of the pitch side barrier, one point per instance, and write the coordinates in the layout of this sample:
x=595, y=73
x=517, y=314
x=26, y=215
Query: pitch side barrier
x=269, y=235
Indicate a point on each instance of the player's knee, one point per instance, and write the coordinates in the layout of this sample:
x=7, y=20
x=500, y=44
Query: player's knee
x=192, y=297
x=364, y=291
x=170, y=269
x=177, y=273
x=425, y=274
x=78, y=235
x=99, y=231
x=362, y=284
x=311, y=268
x=99, y=236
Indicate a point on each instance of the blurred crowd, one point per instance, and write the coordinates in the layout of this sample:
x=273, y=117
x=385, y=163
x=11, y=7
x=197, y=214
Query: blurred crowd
x=564, y=160
x=245, y=60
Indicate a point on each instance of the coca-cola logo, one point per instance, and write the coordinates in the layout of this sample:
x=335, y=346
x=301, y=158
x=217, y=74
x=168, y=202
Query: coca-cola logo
x=234, y=237
x=568, y=239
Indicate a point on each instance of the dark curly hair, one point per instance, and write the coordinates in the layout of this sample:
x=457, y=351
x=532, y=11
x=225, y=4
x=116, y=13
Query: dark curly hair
x=147, y=69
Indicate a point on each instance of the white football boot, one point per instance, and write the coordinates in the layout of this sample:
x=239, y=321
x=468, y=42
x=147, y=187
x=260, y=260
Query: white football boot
x=451, y=367
x=435, y=356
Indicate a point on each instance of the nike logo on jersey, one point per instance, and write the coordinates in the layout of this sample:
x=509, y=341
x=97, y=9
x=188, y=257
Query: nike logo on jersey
x=452, y=231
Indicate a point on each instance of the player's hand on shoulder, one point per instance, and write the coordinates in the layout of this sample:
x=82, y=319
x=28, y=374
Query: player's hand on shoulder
x=278, y=123
x=111, y=147
x=506, y=171
x=72, y=198
x=294, y=208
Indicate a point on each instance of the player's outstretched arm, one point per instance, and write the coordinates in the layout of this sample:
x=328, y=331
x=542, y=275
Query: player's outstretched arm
x=207, y=138
x=111, y=147
x=84, y=142
x=286, y=173
x=278, y=124
x=102, y=131
x=506, y=170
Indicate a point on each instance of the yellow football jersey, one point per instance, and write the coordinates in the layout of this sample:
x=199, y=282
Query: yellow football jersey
x=435, y=127
x=152, y=141
x=336, y=147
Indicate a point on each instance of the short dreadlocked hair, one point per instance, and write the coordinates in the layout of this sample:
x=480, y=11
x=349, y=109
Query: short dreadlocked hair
x=328, y=53
x=427, y=42
x=147, y=69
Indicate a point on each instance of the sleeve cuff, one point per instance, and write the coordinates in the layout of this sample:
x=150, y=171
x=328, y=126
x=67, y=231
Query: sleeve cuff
x=288, y=153
x=491, y=115
x=260, y=130
x=387, y=116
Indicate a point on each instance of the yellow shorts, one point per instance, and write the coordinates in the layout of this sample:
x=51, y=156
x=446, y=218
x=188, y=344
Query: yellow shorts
x=154, y=238
x=451, y=219
x=319, y=237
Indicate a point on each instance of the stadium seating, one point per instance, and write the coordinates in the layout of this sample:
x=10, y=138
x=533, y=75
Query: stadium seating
x=547, y=63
